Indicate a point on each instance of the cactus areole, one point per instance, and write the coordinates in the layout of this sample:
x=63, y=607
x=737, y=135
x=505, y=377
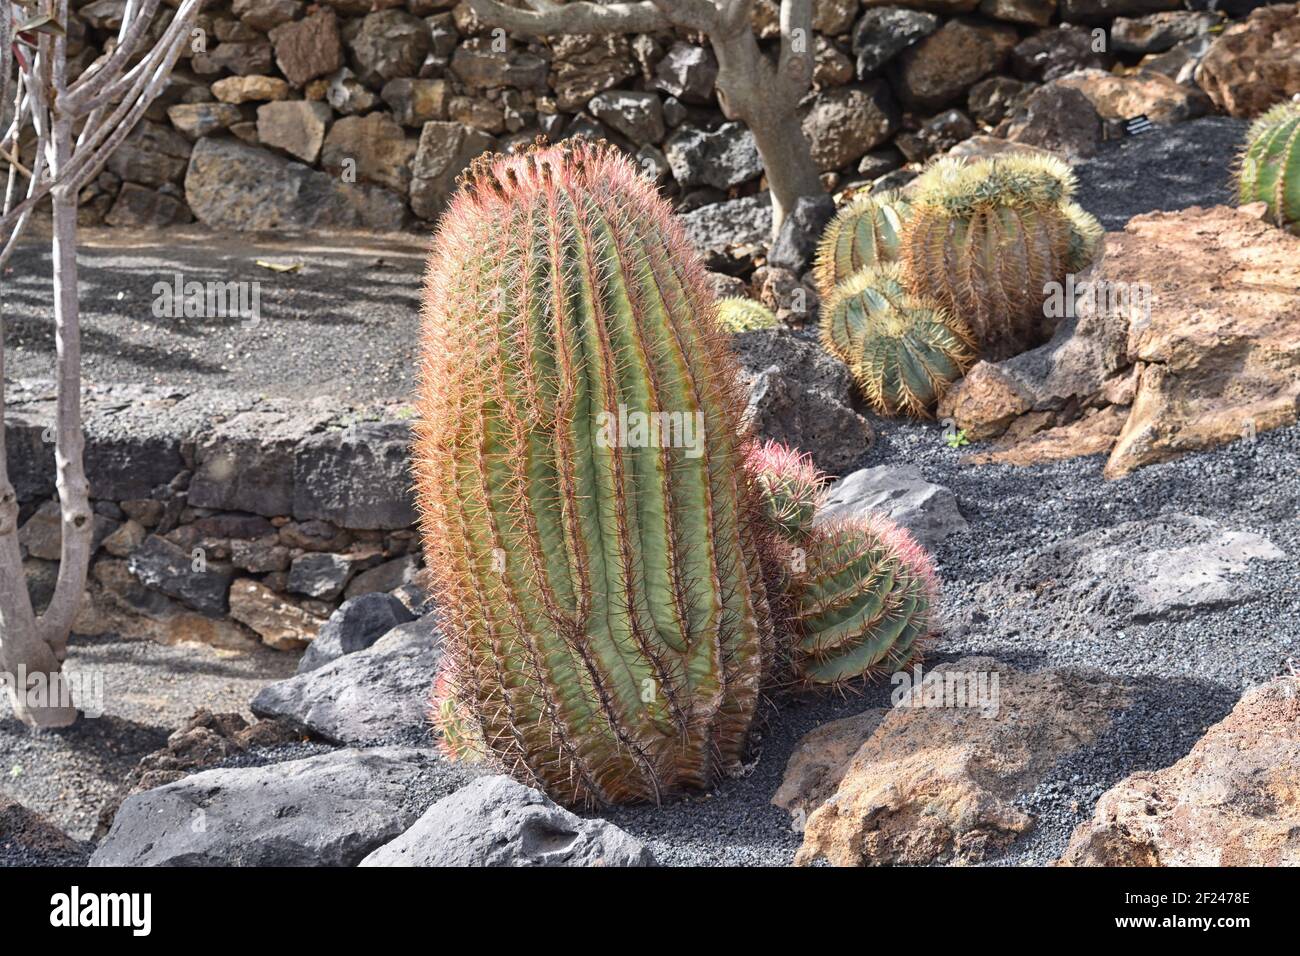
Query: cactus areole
x=588, y=524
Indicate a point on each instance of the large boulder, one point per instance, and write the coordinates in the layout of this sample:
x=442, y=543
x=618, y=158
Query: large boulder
x=1152, y=95
x=1232, y=801
x=329, y=810
x=801, y=396
x=843, y=124
x=1254, y=64
x=372, y=695
x=232, y=185
x=938, y=779
x=943, y=66
x=494, y=821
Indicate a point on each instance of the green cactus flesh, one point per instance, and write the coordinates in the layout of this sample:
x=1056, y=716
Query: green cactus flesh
x=865, y=601
x=844, y=313
x=790, y=485
x=1269, y=169
x=604, y=608
x=737, y=315
x=865, y=232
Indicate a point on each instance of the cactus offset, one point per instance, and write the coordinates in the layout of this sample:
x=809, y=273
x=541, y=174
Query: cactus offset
x=790, y=486
x=604, y=609
x=1269, y=169
x=865, y=232
x=904, y=350
x=1086, y=235
x=864, y=605
x=737, y=315
x=984, y=238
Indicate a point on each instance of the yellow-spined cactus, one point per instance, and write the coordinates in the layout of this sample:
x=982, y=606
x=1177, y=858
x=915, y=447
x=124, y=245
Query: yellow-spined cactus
x=866, y=231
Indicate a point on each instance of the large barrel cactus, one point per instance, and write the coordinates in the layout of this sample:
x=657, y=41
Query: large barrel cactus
x=1269, y=169
x=984, y=238
x=591, y=532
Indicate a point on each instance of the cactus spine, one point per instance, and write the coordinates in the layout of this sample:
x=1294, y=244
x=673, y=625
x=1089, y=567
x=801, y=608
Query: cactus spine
x=1086, y=236
x=984, y=239
x=865, y=232
x=606, y=622
x=1269, y=169
x=737, y=315
x=904, y=350
x=865, y=603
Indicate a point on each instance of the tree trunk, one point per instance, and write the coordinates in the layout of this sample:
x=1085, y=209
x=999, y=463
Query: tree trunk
x=787, y=160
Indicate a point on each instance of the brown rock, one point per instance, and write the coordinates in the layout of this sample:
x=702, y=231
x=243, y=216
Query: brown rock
x=26, y=829
x=1232, y=801
x=281, y=624
x=1059, y=118
x=295, y=126
x=250, y=89
x=935, y=6
x=415, y=102
x=444, y=150
x=940, y=68
x=1255, y=64
x=843, y=124
x=819, y=761
x=242, y=59
x=1218, y=357
x=196, y=120
x=125, y=539
x=1091, y=435
x=1153, y=95
x=586, y=65
x=939, y=783
x=389, y=44
x=379, y=147
x=1037, y=12
x=308, y=48
x=986, y=401
x=833, y=17
x=265, y=14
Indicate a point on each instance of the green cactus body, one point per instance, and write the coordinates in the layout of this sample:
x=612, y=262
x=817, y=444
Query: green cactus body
x=867, y=231
x=985, y=238
x=1086, y=237
x=904, y=350
x=606, y=622
x=865, y=602
x=790, y=485
x=737, y=315
x=1269, y=170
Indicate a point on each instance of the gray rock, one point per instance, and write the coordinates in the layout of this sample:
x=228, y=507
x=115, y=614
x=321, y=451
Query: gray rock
x=687, y=72
x=232, y=185
x=990, y=101
x=722, y=226
x=356, y=625
x=364, y=697
x=844, y=123
x=356, y=477
x=796, y=242
x=1169, y=567
x=329, y=810
x=388, y=576
x=321, y=575
x=638, y=116
x=800, y=396
x=494, y=821
x=1055, y=51
x=938, y=134
x=153, y=154
x=1103, y=11
x=196, y=120
x=898, y=492
x=443, y=151
x=388, y=44
x=1058, y=118
x=140, y=207
x=726, y=157
x=480, y=67
x=349, y=95
x=885, y=32
x=162, y=566
x=1158, y=32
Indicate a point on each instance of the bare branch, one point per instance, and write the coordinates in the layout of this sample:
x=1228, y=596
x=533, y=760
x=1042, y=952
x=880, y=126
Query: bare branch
x=548, y=19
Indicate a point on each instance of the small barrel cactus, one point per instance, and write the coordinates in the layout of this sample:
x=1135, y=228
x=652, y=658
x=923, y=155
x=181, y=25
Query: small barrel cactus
x=589, y=528
x=865, y=232
x=737, y=315
x=1269, y=169
x=984, y=238
x=790, y=486
x=865, y=603
x=904, y=350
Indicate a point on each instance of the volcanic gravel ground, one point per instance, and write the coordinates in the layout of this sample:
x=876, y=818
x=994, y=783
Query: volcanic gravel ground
x=1186, y=674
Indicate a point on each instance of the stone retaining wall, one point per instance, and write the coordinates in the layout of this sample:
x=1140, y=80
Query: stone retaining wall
x=360, y=113
x=220, y=518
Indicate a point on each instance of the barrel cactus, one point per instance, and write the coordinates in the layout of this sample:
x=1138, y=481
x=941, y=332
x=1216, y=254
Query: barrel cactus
x=985, y=238
x=1269, y=169
x=865, y=232
x=790, y=486
x=1086, y=236
x=865, y=604
x=587, y=521
x=737, y=315
x=904, y=350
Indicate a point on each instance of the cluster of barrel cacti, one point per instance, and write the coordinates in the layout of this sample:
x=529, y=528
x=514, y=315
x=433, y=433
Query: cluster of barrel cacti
x=915, y=287
x=1269, y=166
x=614, y=610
